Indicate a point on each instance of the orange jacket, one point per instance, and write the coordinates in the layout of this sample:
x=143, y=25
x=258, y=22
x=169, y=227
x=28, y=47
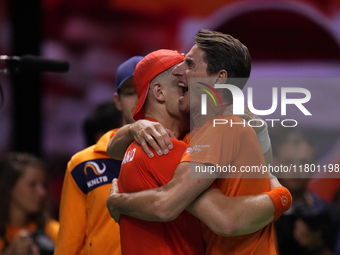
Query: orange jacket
x=86, y=226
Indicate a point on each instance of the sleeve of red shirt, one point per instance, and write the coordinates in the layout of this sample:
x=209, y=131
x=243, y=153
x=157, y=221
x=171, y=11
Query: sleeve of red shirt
x=163, y=167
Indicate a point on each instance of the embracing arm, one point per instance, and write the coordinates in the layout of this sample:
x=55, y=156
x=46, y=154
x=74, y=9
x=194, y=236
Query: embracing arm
x=119, y=143
x=160, y=204
x=240, y=215
x=231, y=216
x=144, y=132
x=167, y=202
x=227, y=216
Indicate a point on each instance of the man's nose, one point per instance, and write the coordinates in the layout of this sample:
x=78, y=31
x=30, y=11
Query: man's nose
x=177, y=69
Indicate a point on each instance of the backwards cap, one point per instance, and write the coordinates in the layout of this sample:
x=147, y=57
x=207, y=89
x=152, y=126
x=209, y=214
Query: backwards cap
x=126, y=70
x=148, y=68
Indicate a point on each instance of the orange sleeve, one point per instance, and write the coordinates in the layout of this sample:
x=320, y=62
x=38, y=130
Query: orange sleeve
x=72, y=217
x=213, y=145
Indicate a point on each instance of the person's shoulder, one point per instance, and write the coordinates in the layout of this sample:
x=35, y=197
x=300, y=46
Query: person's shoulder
x=179, y=147
x=166, y=162
x=135, y=152
x=81, y=156
x=107, y=136
x=178, y=142
x=92, y=152
x=88, y=154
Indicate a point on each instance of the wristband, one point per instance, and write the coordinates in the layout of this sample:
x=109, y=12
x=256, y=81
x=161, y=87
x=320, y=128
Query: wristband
x=282, y=200
x=264, y=139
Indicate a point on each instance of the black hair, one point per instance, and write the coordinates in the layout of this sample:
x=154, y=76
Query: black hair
x=101, y=119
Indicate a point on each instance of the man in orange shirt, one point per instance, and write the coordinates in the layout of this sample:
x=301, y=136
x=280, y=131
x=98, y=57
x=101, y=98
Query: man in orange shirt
x=234, y=146
x=85, y=225
x=167, y=202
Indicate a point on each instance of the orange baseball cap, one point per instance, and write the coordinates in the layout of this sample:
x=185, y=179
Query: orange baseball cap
x=148, y=68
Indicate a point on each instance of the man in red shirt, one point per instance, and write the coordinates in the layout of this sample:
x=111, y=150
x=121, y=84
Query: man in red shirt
x=139, y=172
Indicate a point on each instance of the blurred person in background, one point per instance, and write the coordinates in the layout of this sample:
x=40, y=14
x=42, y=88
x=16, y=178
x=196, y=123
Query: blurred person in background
x=100, y=120
x=336, y=198
x=25, y=225
x=310, y=226
x=86, y=226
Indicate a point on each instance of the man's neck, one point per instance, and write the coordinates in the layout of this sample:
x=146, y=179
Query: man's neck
x=177, y=125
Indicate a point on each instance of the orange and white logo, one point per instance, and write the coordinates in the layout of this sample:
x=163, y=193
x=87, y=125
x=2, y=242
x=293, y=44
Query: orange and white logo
x=95, y=167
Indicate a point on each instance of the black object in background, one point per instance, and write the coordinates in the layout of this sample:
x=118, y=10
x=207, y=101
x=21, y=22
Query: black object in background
x=26, y=31
x=31, y=63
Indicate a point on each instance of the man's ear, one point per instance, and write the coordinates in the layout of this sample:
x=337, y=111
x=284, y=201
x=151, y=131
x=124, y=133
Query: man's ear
x=117, y=101
x=157, y=91
x=221, y=77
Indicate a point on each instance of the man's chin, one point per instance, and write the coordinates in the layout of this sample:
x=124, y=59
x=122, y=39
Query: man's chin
x=184, y=109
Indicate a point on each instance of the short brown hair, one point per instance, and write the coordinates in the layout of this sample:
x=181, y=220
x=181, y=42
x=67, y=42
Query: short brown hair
x=222, y=51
